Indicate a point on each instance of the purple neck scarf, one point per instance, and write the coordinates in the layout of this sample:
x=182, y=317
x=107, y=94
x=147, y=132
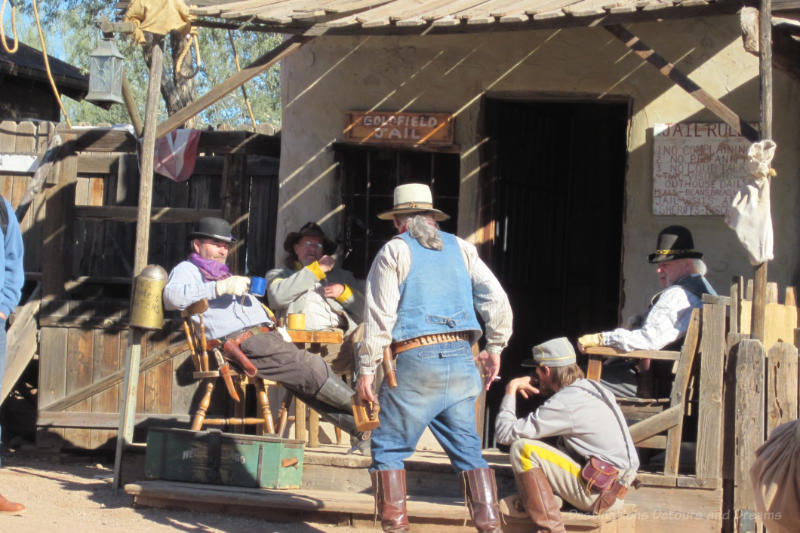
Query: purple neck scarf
x=211, y=270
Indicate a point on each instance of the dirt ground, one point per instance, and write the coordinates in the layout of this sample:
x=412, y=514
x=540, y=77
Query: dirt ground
x=73, y=494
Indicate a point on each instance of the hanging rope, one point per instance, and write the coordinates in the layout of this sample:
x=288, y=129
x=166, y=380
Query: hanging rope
x=13, y=27
x=244, y=91
x=47, y=64
x=192, y=36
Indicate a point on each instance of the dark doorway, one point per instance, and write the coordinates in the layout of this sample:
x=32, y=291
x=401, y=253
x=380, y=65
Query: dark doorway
x=368, y=177
x=555, y=192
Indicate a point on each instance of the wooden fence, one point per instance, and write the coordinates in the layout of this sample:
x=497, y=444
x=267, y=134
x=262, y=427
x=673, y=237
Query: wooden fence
x=761, y=393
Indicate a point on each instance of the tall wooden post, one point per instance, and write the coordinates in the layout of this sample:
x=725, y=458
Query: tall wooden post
x=133, y=355
x=765, y=76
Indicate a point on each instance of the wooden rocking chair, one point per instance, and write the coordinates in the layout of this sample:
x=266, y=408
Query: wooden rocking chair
x=648, y=430
x=212, y=369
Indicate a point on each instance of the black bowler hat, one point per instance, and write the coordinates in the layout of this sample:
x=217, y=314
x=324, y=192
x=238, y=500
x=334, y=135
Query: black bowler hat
x=674, y=242
x=213, y=228
x=309, y=229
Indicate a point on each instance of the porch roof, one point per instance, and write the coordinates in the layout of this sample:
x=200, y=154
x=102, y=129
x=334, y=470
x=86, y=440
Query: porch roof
x=403, y=17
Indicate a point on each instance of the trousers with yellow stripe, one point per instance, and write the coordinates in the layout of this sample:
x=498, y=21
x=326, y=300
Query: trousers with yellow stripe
x=563, y=473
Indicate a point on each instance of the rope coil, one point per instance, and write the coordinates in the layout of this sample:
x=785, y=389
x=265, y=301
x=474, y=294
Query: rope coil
x=13, y=27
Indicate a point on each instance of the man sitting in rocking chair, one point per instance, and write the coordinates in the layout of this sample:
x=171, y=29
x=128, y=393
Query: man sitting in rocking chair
x=235, y=315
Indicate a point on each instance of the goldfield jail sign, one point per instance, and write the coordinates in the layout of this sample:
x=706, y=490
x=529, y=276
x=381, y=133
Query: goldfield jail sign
x=383, y=127
x=697, y=167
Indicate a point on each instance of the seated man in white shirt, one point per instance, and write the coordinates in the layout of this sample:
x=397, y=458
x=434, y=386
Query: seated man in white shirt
x=681, y=274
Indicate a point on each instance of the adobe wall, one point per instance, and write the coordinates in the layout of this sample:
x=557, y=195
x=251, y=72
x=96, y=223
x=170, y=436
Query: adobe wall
x=451, y=73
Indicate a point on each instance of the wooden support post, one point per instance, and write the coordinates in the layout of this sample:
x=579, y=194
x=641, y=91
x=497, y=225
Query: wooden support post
x=765, y=86
x=749, y=430
x=709, y=420
x=133, y=355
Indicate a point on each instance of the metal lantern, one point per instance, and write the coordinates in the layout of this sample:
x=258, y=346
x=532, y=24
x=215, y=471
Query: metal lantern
x=105, y=75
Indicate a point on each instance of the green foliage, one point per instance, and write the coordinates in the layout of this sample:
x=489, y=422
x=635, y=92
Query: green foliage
x=73, y=34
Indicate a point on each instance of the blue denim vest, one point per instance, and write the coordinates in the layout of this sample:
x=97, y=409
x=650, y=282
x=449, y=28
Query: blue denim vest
x=436, y=297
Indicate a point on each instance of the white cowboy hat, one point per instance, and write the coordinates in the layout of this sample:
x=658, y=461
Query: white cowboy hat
x=413, y=198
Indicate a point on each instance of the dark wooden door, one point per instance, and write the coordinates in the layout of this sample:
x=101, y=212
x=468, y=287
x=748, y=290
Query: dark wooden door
x=556, y=189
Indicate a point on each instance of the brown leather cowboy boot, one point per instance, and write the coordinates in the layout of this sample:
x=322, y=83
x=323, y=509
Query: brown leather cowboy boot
x=538, y=499
x=12, y=508
x=389, y=487
x=481, y=494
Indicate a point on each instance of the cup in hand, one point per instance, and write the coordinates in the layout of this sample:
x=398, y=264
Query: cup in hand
x=257, y=285
x=297, y=321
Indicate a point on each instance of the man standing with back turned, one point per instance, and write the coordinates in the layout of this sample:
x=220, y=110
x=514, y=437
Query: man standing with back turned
x=422, y=292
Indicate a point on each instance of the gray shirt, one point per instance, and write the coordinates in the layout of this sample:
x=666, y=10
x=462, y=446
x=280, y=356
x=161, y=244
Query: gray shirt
x=225, y=313
x=590, y=425
x=301, y=291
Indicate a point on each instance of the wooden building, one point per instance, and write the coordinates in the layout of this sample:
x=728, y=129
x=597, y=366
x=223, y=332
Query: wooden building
x=544, y=129
x=27, y=94
x=546, y=132
x=79, y=229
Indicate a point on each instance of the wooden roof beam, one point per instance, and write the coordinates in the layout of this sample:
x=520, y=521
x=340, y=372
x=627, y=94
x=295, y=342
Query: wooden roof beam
x=698, y=93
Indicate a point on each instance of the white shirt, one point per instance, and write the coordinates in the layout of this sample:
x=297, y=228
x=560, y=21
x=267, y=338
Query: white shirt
x=666, y=322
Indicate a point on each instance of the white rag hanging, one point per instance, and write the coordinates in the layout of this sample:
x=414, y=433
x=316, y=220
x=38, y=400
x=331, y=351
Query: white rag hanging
x=176, y=154
x=749, y=214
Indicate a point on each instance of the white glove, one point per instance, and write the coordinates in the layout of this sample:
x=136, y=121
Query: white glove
x=235, y=285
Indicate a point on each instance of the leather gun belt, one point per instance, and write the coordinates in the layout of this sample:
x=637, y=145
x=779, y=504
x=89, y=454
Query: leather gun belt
x=425, y=340
x=242, y=335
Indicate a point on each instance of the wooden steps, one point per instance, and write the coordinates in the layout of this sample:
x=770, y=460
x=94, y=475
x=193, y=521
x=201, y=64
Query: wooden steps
x=426, y=513
x=336, y=488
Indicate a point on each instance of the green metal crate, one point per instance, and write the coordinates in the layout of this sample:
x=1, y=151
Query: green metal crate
x=224, y=458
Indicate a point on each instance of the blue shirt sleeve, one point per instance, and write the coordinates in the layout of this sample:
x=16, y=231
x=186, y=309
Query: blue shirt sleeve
x=13, y=271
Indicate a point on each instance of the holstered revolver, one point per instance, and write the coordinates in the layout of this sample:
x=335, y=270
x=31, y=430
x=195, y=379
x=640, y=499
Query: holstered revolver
x=366, y=413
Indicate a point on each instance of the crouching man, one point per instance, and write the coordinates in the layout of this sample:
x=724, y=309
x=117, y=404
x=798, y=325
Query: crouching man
x=595, y=461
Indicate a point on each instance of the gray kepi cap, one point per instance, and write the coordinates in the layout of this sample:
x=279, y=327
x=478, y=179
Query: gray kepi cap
x=555, y=352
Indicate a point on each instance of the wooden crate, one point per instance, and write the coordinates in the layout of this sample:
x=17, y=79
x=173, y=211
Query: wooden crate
x=224, y=458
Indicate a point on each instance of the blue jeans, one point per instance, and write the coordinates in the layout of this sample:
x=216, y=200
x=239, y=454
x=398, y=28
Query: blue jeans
x=437, y=388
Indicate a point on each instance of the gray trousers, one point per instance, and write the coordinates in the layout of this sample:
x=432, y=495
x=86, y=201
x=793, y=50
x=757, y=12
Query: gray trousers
x=563, y=473
x=281, y=361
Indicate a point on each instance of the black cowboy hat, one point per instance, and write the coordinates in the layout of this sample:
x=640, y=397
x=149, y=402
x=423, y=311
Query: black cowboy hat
x=309, y=229
x=674, y=242
x=213, y=228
